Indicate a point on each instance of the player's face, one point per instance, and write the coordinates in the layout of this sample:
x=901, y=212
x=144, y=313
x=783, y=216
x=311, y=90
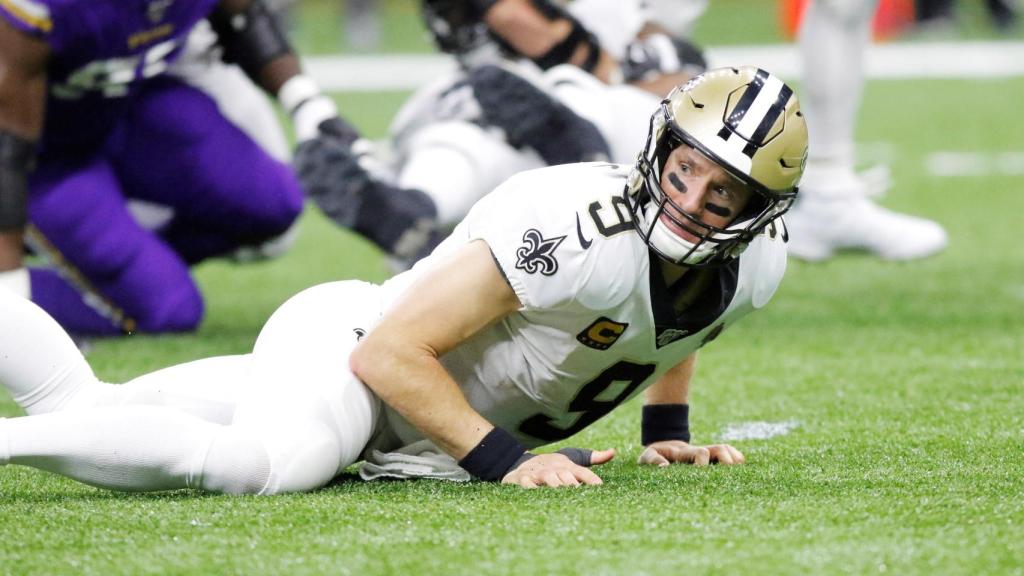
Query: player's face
x=702, y=189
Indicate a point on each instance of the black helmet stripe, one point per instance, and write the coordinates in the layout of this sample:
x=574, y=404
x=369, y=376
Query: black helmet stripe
x=776, y=110
x=749, y=95
x=755, y=97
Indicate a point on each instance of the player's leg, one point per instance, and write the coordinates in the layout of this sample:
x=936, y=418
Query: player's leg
x=114, y=276
x=312, y=415
x=305, y=418
x=126, y=446
x=45, y=372
x=457, y=163
x=833, y=211
x=237, y=97
x=178, y=150
x=40, y=366
x=137, y=448
x=833, y=40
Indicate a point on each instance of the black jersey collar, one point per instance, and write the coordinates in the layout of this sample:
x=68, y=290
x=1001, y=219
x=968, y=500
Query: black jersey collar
x=708, y=306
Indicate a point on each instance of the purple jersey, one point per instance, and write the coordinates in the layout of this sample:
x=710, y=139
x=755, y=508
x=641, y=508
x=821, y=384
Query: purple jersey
x=101, y=51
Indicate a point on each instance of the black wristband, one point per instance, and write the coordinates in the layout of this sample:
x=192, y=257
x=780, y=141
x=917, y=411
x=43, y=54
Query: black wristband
x=251, y=39
x=494, y=457
x=665, y=422
x=562, y=52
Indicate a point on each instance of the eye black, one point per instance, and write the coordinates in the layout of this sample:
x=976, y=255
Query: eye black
x=676, y=182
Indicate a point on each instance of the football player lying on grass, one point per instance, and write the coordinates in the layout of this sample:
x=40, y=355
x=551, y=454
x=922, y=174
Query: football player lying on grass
x=562, y=294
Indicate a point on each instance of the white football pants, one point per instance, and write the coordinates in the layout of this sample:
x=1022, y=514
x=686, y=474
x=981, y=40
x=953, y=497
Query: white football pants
x=287, y=417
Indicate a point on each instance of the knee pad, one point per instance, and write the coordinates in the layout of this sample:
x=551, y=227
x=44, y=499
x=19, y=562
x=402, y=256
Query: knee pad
x=236, y=462
x=304, y=455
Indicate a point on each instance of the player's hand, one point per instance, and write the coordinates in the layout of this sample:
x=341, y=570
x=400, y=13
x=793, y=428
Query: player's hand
x=676, y=451
x=328, y=168
x=557, y=469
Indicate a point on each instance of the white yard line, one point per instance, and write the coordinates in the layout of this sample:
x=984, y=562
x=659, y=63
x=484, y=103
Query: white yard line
x=893, y=61
x=757, y=430
x=949, y=164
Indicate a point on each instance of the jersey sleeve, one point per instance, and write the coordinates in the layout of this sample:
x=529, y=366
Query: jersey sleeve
x=537, y=228
x=29, y=16
x=762, y=266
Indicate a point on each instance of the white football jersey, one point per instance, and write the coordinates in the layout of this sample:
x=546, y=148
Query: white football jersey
x=596, y=326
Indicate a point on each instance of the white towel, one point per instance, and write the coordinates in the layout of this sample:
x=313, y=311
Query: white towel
x=418, y=460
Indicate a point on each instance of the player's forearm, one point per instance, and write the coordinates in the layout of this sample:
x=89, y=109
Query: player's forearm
x=253, y=37
x=22, y=100
x=674, y=386
x=525, y=28
x=416, y=385
x=550, y=39
x=10, y=250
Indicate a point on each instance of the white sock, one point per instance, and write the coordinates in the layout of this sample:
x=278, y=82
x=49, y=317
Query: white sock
x=39, y=364
x=832, y=43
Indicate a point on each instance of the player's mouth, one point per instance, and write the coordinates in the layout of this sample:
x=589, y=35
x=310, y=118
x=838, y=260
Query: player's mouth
x=673, y=224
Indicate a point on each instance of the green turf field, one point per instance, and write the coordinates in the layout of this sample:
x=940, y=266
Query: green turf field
x=903, y=383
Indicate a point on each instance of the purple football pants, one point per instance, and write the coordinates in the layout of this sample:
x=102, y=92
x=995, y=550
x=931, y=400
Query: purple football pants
x=173, y=148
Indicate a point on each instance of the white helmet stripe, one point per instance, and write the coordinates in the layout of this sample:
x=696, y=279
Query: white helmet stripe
x=758, y=108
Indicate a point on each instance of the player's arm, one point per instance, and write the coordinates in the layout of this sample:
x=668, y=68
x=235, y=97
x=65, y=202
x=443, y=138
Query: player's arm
x=253, y=37
x=665, y=428
x=22, y=102
x=548, y=40
x=399, y=361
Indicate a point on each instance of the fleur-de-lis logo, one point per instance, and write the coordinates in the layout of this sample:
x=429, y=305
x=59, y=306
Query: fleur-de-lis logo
x=537, y=254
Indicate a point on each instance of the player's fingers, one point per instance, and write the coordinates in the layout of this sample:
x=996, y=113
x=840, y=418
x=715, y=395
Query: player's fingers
x=737, y=456
x=651, y=457
x=548, y=478
x=526, y=482
x=587, y=476
x=720, y=454
x=601, y=456
x=568, y=478
x=701, y=456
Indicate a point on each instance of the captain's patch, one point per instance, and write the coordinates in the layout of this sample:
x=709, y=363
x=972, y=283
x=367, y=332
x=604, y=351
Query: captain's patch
x=602, y=333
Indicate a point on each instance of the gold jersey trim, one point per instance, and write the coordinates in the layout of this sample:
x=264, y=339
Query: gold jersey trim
x=33, y=14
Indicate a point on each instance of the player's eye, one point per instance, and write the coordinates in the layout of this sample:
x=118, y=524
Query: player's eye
x=724, y=193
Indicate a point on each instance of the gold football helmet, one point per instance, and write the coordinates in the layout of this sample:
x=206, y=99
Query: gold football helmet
x=748, y=122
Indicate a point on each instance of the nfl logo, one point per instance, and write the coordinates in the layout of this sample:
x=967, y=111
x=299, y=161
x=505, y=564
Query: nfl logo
x=669, y=336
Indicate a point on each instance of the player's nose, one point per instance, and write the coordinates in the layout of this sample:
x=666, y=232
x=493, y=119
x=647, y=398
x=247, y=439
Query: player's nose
x=693, y=201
